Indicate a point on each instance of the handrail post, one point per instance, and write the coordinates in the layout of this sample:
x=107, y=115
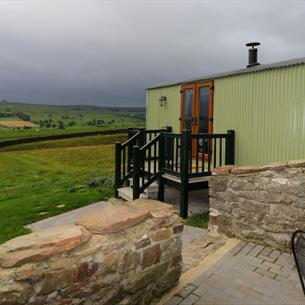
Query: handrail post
x=142, y=137
x=161, y=166
x=230, y=147
x=117, y=171
x=129, y=150
x=136, y=172
x=184, y=175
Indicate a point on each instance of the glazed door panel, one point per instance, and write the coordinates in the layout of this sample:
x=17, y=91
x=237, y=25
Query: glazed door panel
x=188, y=108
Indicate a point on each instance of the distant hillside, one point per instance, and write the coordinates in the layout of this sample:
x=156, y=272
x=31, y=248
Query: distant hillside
x=53, y=119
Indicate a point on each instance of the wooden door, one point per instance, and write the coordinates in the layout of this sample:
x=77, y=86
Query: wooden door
x=197, y=112
x=204, y=107
x=188, y=108
x=204, y=115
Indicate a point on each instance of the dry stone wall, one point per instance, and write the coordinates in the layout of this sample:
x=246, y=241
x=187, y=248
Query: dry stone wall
x=264, y=204
x=125, y=255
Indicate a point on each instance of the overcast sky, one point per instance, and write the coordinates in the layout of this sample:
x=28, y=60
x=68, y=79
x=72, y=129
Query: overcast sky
x=108, y=52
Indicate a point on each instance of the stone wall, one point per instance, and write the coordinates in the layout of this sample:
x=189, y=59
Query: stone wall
x=125, y=255
x=264, y=204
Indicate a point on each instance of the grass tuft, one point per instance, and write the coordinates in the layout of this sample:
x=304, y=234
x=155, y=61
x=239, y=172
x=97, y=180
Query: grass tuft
x=199, y=220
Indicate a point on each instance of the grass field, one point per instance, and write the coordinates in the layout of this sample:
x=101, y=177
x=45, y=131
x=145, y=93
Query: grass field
x=66, y=119
x=47, y=178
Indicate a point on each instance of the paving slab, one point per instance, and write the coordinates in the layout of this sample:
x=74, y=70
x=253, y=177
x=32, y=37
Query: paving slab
x=246, y=274
x=191, y=233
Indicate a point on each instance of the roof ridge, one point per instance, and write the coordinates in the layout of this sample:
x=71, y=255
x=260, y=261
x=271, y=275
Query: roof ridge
x=258, y=68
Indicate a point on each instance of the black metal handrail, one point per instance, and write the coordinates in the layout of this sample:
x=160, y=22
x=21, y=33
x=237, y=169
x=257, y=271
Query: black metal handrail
x=172, y=153
x=124, y=159
x=147, y=167
x=131, y=140
x=148, y=154
x=204, y=152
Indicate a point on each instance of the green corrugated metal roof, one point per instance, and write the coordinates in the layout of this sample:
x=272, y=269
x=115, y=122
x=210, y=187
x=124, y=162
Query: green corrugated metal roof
x=259, y=68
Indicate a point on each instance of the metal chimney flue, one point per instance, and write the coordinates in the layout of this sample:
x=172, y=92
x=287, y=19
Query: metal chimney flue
x=252, y=54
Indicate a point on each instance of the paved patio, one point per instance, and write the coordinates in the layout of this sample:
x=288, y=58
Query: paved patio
x=247, y=274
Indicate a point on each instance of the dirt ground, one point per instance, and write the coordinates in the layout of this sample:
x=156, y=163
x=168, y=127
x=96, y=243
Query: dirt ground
x=14, y=124
x=198, y=200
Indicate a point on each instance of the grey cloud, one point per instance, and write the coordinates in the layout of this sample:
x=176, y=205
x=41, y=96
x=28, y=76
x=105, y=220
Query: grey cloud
x=107, y=53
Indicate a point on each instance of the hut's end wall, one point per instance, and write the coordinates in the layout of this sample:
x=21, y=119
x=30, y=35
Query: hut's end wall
x=167, y=115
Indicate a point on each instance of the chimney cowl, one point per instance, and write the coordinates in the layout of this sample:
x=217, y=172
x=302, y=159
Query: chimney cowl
x=252, y=54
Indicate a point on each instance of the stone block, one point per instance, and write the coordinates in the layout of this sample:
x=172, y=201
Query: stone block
x=171, y=248
x=296, y=163
x=161, y=235
x=156, y=208
x=142, y=243
x=130, y=261
x=31, y=276
x=222, y=170
x=53, y=281
x=110, y=263
x=113, y=219
x=151, y=256
x=217, y=183
x=245, y=170
x=178, y=229
x=140, y=280
x=84, y=271
x=168, y=280
x=273, y=166
x=40, y=245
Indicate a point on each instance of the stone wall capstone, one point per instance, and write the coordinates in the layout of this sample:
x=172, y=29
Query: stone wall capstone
x=264, y=204
x=124, y=254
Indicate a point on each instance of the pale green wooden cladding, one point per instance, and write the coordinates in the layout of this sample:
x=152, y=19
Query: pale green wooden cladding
x=267, y=112
x=266, y=109
x=168, y=114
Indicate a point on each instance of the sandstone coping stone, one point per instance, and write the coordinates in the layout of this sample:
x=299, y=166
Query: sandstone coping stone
x=156, y=208
x=245, y=169
x=275, y=166
x=223, y=170
x=296, y=163
x=113, y=219
x=43, y=244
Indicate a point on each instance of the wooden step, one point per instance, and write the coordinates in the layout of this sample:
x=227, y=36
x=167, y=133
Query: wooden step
x=125, y=193
x=153, y=188
x=177, y=179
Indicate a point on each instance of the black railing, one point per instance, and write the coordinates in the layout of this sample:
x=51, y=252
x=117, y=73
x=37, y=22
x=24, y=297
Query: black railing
x=123, y=162
x=172, y=153
x=124, y=159
x=146, y=164
x=203, y=152
x=148, y=154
